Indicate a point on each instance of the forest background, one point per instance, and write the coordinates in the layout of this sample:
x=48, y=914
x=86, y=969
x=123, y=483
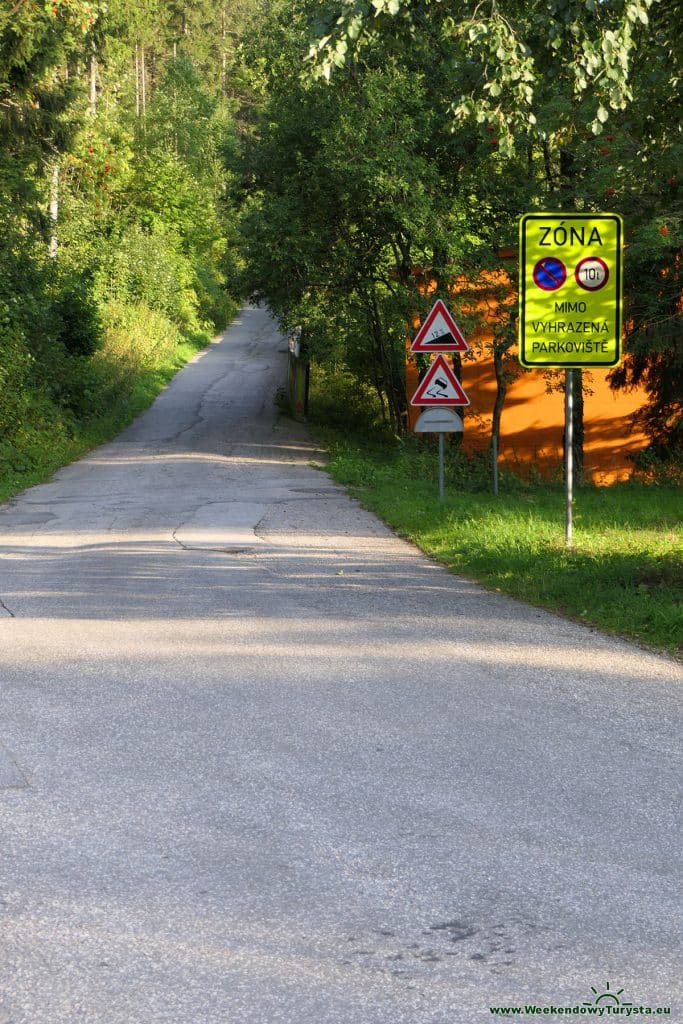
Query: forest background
x=161, y=161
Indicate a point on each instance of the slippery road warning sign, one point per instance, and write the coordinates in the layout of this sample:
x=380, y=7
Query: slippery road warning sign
x=570, y=290
x=440, y=386
x=439, y=332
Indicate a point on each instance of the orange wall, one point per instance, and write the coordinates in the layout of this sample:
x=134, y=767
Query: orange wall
x=532, y=423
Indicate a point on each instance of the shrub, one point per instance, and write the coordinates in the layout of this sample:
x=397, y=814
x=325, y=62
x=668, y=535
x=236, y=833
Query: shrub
x=148, y=269
x=136, y=338
x=77, y=319
x=14, y=365
x=339, y=399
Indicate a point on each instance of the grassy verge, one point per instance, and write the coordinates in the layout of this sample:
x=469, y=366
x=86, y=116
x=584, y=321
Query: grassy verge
x=624, y=573
x=46, y=450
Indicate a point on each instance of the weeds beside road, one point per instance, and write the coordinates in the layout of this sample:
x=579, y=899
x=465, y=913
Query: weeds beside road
x=624, y=573
x=127, y=388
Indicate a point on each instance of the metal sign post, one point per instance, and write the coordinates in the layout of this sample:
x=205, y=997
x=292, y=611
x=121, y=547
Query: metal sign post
x=570, y=305
x=569, y=455
x=439, y=389
x=441, y=466
x=439, y=421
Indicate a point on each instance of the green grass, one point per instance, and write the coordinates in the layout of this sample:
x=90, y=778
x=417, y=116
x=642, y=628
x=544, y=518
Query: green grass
x=623, y=574
x=45, y=451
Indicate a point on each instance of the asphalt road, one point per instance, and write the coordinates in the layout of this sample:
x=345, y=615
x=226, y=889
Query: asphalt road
x=263, y=762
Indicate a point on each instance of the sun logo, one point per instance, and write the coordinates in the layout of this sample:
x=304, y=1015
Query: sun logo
x=608, y=997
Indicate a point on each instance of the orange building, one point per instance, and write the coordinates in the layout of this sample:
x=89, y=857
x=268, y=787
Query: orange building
x=532, y=420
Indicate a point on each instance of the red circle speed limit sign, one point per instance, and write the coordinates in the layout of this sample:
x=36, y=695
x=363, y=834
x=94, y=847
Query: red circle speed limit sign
x=592, y=273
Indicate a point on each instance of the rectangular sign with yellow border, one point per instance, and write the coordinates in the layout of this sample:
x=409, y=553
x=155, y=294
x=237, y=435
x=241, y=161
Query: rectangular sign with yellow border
x=570, y=289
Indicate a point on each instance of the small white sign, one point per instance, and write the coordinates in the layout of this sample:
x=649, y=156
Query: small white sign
x=294, y=342
x=438, y=421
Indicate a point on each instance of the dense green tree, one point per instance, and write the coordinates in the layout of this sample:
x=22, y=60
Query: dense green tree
x=115, y=210
x=130, y=133
x=589, y=94
x=362, y=187
x=344, y=202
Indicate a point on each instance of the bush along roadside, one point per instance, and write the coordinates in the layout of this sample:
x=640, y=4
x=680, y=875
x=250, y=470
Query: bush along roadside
x=119, y=225
x=112, y=389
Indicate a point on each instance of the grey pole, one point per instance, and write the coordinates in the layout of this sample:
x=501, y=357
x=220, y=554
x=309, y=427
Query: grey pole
x=441, y=465
x=569, y=453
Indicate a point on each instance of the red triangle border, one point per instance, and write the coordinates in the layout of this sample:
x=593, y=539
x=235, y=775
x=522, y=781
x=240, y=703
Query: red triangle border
x=460, y=344
x=440, y=365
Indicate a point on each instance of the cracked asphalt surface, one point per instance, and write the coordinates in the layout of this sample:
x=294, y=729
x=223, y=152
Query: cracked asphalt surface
x=263, y=762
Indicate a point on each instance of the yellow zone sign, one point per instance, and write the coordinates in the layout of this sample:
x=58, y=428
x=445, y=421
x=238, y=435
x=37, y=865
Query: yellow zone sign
x=570, y=289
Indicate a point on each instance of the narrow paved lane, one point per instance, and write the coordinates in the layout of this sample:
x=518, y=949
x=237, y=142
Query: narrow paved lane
x=262, y=762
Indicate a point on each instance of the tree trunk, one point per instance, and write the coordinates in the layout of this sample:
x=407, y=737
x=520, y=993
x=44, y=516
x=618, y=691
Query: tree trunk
x=394, y=391
x=143, y=81
x=501, y=391
x=224, y=57
x=137, y=80
x=93, y=79
x=53, y=208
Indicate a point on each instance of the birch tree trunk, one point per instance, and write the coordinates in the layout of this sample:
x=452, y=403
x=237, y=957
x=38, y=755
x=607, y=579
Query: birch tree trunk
x=93, y=80
x=53, y=208
x=143, y=80
x=137, y=80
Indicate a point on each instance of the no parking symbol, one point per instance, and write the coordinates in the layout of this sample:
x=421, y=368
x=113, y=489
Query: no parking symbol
x=550, y=273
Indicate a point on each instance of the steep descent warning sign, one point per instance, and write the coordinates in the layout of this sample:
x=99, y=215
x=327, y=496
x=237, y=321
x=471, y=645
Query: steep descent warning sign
x=440, y=386
x=439, y=332
x=570, y=291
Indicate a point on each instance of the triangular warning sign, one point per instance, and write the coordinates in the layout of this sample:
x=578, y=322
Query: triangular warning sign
x=440, y=386
x=439, y=332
